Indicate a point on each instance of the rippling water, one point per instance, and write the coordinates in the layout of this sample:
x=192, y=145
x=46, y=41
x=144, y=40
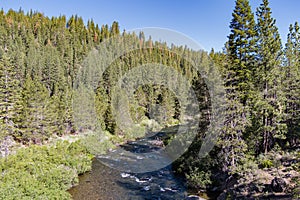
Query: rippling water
x=108, y=181
x=104, y=182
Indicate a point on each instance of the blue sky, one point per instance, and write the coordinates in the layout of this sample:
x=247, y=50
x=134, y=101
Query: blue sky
x=205, y=21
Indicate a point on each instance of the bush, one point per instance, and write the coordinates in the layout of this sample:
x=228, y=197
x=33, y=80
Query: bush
x=246, y=167
x=43, y=172
x=266, y=160
x=134, y=132
x=98, y=143
x=266, y=163
x=199, y=179
x=151, y=125
x=296, y=190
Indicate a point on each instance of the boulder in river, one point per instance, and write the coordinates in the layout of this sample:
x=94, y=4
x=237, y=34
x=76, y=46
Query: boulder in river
x=158, y=143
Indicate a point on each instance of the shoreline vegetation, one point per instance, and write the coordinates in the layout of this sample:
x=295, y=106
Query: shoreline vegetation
x=43, y=58
x=43, y=171
x=49, y=170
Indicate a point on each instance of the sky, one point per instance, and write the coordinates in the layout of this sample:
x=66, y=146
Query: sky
x=204, y=21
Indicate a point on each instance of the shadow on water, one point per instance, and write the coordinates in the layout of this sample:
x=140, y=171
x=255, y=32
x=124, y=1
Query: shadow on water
x=105, y=182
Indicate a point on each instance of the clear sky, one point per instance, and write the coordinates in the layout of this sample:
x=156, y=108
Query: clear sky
x=205, y=21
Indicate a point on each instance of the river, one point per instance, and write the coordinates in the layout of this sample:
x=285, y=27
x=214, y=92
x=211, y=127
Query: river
x=107, y=180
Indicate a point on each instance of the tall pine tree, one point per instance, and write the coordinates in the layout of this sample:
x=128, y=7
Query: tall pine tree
x=292, y=84
x=269, y=102
x=238, y=84
x=36, y=124
x=10, y=95
x=241, y=49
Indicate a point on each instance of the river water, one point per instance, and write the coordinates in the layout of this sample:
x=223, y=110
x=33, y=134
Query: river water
x=107, y=180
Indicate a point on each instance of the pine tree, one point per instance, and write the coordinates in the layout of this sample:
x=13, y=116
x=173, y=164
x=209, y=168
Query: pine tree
x=269, y=105
x=10, y=95
x=59, y=109
x=241, y=49
x=36, y=125
x=51, y=72
x=115, y=30
x=292, y=83
x=84, y=108
x=231, y=141
x=238, y=85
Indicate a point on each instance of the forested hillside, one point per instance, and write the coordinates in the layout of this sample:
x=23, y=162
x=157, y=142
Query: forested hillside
x=39, y=60
x=42, y=59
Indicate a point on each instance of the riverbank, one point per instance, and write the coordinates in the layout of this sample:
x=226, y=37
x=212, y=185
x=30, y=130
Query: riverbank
x=275, y=175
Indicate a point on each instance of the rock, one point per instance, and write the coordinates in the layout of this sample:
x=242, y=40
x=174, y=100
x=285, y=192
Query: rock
x=157, y=143
x=253, y=188
x=267, y=188
x=278, y=184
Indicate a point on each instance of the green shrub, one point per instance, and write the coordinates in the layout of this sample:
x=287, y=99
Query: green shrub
x=98, y=143
x=43, y=172
x=266, y=163
x=267, y=160
x=151, y=125
x=296, y=190
x=247, y=166
x=199, y=179
x=134, y=132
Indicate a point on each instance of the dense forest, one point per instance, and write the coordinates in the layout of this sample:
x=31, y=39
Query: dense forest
x=47, y=72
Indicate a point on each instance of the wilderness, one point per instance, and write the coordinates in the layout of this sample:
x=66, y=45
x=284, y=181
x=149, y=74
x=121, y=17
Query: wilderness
x=49, y=87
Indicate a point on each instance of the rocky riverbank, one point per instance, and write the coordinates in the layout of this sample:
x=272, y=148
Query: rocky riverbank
x=281, y=181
